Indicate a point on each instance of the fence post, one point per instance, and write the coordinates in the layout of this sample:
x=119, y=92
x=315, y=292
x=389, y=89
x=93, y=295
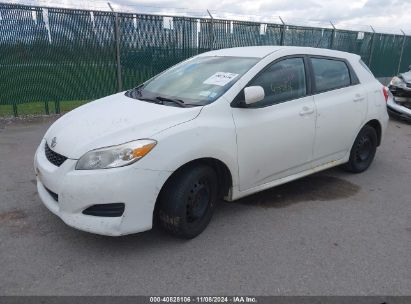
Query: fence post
x=117, y=39
x=15, y=113
x=282, y=31
x=57, y=107
x=332, y=36
x=211, y=31
x=46, y=107
x=371, y=47
x=402, y=51
x=118, y=60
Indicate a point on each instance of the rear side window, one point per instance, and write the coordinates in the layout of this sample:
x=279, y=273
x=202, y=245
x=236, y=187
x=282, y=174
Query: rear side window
x=330, y=74
x=282, y=81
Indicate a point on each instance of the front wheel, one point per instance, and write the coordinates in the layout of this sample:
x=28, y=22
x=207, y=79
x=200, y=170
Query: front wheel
x=363, y=150
x=187, y=202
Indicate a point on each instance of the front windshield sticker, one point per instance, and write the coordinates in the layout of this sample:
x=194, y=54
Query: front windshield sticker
x=220, y=78
x=204, y=93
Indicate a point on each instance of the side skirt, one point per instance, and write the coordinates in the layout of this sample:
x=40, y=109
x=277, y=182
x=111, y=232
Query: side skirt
x=235, y=194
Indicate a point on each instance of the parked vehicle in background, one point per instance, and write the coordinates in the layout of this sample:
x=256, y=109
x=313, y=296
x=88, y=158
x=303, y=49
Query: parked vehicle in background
x=226, y=123
x=400, y=105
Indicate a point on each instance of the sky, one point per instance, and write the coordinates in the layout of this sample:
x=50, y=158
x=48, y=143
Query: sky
x=384, y=15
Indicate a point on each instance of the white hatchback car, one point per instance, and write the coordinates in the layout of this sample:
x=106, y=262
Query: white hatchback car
x=225, y=123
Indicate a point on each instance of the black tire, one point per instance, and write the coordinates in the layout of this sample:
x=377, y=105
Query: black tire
x=187, y=202
x=363, y=150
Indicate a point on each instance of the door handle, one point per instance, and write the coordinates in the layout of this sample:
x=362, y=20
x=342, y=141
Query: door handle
x=358, y=98
x=306, y=111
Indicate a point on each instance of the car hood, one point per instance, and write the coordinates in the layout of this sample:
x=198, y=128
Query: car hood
x=406, y=76
x=113, y=120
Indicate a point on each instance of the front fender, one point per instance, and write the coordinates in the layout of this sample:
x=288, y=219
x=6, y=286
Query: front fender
x=210, y=135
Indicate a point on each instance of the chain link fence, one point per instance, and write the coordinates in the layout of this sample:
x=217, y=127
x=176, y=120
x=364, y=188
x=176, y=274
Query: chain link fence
x=54, y=59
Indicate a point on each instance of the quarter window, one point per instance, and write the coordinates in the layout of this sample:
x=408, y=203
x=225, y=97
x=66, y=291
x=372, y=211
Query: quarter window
x=282, y=81
x=330, y=74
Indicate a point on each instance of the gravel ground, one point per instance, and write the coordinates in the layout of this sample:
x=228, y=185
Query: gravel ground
x=332, y=233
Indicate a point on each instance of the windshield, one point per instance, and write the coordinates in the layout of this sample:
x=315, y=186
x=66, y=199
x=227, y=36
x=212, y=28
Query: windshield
x=197, y=81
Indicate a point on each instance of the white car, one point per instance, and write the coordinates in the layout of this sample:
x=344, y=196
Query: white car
x=226, y=123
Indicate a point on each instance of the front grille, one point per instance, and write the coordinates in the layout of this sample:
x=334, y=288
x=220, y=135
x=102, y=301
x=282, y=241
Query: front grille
x=55, y=196
x=107, y=210
x=53, y=157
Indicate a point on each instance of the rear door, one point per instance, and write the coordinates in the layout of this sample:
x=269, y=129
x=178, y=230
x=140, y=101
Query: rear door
x=341, y=104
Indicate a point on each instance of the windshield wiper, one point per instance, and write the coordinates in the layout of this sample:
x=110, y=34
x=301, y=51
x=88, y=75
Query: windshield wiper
x=137, y=94
x=178, y=102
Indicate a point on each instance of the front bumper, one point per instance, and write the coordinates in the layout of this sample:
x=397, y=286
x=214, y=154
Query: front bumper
x=79, y=189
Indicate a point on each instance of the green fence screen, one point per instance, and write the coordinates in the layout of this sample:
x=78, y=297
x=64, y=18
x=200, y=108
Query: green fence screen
x=54, y=59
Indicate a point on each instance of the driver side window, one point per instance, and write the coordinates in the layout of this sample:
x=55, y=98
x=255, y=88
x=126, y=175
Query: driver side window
x=282, y=81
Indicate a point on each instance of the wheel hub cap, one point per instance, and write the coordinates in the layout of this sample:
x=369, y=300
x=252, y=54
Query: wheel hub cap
x=364, y=149
x=198, y=201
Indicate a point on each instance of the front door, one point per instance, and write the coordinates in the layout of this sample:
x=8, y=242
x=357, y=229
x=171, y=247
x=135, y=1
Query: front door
x=275, y=136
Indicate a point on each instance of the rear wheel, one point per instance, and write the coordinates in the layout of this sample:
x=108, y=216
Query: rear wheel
x=363, y=150
x=187, y=202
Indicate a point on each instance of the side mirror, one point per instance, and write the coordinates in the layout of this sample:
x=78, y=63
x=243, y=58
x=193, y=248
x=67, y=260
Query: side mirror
x=253, y=94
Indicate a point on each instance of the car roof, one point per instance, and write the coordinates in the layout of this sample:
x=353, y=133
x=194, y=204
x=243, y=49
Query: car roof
x=263, y=51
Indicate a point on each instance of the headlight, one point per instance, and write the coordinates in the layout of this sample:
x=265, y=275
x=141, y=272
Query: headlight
x=397, y=81
x=115, y=156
